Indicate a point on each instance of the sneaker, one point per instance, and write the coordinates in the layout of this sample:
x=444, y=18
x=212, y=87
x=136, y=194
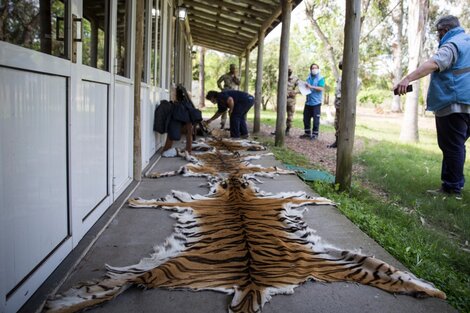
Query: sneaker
x=170, y=153
x=333, y=145
x=273, y=133
x=245, y=136
x=313, y=137
x=304, y=136
x=441, y=192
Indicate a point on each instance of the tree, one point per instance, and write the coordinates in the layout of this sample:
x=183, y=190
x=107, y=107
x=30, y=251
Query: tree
x=311, y=9
x=202, y=53
x=417, y=16
x=397, y=18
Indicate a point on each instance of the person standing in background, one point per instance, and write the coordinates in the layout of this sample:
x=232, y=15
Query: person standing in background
x=292, y=83
x=230, y=81
x=449, y=99
x=312, y=110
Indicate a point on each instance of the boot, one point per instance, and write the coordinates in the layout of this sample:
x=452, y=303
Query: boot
x=333, y=145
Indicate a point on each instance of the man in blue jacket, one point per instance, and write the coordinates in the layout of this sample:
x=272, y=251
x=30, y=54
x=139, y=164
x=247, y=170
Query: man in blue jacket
x=312, y=110
x=449, y=99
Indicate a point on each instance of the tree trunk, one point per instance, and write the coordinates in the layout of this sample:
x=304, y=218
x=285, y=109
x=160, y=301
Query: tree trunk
x=417, y=15
x=397, y=54
x=259, y=83
x=283, y=67
x=347, y=120
x=202, y=77
x=247, y=71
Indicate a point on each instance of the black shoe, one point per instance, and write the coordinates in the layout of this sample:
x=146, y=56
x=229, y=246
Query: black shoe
x=333, y=145
x=313, y=137
x=305, y=136
x=273, y=133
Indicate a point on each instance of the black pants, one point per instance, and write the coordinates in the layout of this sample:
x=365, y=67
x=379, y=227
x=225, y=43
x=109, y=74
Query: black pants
x=452, y=132
x=309, y=113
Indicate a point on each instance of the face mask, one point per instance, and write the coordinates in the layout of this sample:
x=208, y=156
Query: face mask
x=315, y=71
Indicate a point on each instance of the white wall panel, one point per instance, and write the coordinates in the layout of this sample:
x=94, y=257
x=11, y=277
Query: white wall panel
x=122, y=136
x=33, y=169
x=89, y=118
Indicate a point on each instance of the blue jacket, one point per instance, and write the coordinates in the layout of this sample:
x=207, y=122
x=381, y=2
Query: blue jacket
x=315, y=97
x=452, y=85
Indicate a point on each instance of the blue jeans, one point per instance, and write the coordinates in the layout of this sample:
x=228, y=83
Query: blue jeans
x=238, y=125
x=309, y=113
x=452, y=132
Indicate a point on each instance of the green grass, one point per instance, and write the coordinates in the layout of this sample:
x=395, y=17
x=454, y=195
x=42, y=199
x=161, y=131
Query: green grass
x=422, y=232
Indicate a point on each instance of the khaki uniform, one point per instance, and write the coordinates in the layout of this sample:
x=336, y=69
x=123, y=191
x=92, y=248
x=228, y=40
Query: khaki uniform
x=229, y=83
x=292, y=83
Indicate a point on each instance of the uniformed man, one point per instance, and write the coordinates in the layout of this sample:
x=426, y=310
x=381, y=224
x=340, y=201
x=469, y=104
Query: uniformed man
x=228, y=81
x=292, y=83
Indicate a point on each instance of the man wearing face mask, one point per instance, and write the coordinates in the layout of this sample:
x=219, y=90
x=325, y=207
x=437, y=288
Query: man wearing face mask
x=312, y=109
x=292, y=83
x=449, y=99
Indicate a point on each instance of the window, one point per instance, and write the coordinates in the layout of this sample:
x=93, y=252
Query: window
x=169, y=46
x=95, y=33
x=145, y=45
x=122, y=38
x=156, y=43
x=38, y=25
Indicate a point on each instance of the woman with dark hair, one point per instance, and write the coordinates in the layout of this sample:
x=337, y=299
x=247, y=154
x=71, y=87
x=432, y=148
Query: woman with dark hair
x=237, y=103
x=176, y=120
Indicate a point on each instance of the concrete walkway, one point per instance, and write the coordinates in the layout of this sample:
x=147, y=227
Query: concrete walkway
x=131, y=234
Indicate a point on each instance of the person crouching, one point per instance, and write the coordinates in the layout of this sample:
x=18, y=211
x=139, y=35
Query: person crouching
x=237, y=103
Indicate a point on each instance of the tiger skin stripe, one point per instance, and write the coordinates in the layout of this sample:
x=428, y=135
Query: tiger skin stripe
x=227, y=144
x=216, y=164
x=237, y=240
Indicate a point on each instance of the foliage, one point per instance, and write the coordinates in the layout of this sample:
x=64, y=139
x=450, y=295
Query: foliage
x=373, y=97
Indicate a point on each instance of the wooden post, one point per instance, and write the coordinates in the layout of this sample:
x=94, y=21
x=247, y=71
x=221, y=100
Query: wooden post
x=259, y=83
x=347, y=120
x=247, y=70
x=139, y=48
x=283, y=76
x=239, y=70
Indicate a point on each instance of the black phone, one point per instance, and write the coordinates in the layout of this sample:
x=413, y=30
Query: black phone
x=409, y=88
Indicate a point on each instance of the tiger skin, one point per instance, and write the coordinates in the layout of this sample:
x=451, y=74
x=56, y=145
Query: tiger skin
x=227, y=144
x=238, y=240
x=217, y=164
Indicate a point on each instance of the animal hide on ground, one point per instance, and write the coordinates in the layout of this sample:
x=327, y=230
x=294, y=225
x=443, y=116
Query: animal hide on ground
x=240, y=241
x=217, y=164
x=226, y=144
x=244, y=242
